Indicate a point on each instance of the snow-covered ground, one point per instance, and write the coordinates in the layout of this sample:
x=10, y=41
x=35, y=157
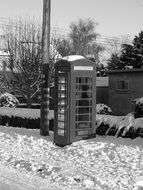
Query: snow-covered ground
x=94, y=164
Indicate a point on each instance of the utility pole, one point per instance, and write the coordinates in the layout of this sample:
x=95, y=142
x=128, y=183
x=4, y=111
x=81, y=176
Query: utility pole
x=45, y=90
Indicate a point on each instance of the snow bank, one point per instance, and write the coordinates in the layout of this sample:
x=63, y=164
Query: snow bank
x=98, y=163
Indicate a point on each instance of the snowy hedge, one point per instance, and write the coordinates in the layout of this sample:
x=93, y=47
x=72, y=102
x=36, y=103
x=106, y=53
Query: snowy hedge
x=21, y=117
x=123, y=126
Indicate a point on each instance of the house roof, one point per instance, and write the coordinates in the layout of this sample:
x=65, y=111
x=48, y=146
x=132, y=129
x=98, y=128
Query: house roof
x=125, y=71
x=102, y=81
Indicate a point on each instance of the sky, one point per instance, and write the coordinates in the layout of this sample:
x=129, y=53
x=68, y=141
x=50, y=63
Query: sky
x=114, y=17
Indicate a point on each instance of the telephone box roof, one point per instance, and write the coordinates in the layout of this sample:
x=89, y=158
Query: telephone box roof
x=73, y=60
x=73, y=57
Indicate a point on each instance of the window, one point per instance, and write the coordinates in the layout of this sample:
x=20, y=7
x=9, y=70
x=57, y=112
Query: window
x=62, y=103
x=83, y=116
x=122, y=85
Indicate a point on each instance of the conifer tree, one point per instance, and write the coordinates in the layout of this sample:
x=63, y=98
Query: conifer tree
x=131, y=55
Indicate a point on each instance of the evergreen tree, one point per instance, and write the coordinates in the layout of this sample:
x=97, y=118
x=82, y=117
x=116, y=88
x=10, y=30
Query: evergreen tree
x=127, y=57
x=131, y=55
x=138, y=50
x=115, y=63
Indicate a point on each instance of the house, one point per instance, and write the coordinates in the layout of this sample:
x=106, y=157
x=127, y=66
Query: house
x=124, y=87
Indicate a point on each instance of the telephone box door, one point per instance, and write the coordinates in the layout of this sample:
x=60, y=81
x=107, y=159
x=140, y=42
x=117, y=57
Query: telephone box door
x=61, y=109
x=84, y=104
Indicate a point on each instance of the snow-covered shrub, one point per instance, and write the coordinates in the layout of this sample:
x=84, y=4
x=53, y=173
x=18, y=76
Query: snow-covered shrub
x=125, y=127
x=103, y=109
x=120, y=126
x=101, y=130
x=138, y=107
x=104, y=123
x=8, y=100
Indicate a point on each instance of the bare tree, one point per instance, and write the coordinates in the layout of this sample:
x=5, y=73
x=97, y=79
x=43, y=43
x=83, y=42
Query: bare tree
x=63, y=45
x=23, y=43
x=81, y=40
x=114, y=44
x=82, y=34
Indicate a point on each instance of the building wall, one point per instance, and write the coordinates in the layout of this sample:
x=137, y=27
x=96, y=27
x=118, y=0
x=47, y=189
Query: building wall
x=102, y=84
x=102, y=95
x=120, y=101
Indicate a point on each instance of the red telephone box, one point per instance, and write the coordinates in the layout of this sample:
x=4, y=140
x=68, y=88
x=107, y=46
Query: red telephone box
x=75, y=100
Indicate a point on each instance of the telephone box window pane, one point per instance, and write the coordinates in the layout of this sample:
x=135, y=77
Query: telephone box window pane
x=83, y=102
x=80, y=110
x=84, y=80
x=62, y=87
x=83, y=125
x=61, y=94
x=83, y=110
x=61, y=124
x=61, y=102
x=61, y=110
x=61, y=117
x=80, y=87
x=83, y=118
x=88, y=80
x=85, y=87
x=61, y=132
x=83, y=132
x=84, y=95
x=62, y=79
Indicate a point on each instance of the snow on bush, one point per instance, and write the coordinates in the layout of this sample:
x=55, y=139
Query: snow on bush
x=103, y=109
x=138, y=107
x=124, y=126
x=8, y=100
x=106, y=123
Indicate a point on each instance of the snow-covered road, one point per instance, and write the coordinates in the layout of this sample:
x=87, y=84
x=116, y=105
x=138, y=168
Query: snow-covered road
x=98, y=164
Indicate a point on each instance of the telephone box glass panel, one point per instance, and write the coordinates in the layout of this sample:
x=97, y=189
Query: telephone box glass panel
x=62, y=104
x=83, y=115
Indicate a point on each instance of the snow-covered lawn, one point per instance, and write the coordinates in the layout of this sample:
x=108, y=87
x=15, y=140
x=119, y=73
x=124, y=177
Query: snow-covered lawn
x=99, y=163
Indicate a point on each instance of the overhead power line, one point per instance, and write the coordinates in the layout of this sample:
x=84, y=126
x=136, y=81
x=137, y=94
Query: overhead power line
x=60, y=32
